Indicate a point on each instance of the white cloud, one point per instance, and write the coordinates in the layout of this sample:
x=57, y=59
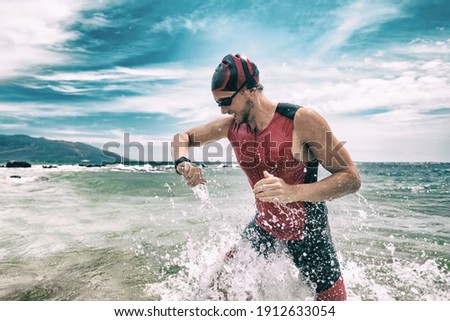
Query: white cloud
x=344, y=88
x=31, y=30
x=18, y=58
x=163, y=72
x=14, y=126
x=189, y=99
x=426, y=46
x=356, y=17
x=357, y=86
x=36, y=22
x=34, y=109
x=379, y=138
x=198, y=20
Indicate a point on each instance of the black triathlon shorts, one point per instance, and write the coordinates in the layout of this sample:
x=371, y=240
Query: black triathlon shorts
x=314, y=255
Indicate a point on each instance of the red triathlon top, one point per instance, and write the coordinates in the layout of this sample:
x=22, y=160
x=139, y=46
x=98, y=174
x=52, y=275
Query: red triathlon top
x=270, y=150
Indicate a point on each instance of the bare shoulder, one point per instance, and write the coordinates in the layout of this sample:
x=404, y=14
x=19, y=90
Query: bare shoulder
x=309, y=122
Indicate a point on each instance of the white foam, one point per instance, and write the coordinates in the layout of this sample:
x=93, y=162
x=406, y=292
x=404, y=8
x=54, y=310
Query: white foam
x=208, y=275
x=399, y=280
x=201, y=192
x=146, y=168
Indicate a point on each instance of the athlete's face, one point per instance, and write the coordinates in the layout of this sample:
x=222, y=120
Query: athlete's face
x=240, y=108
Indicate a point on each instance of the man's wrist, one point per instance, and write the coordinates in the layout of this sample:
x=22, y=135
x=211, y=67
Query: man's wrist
x=180, y=160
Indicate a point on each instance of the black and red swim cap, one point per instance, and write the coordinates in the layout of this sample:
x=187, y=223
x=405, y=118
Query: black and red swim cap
x=233, y=71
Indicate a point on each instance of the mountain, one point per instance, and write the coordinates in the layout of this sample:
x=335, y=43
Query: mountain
x=42, y=150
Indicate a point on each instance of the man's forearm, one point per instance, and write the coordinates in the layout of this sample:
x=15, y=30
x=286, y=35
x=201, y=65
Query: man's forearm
x=180, y=146
x=334, y=186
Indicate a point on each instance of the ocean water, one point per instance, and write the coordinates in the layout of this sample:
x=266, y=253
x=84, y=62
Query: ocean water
x=136, y=233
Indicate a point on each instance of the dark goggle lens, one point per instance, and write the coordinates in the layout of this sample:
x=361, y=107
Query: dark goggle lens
x=224, y=101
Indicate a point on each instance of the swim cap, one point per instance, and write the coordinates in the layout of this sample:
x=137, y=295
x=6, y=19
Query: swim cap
x=233, y=71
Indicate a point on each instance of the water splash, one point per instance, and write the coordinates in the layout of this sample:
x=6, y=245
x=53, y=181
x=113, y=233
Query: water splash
x=398, y=279
x=201, y=192
x=207, y=274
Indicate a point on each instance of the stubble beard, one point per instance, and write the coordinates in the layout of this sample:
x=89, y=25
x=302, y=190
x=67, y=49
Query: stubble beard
x=245, y=114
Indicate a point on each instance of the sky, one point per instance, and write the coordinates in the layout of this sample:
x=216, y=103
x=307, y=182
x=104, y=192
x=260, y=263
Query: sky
x=125, y=73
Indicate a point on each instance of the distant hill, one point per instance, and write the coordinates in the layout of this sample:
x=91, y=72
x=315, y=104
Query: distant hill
x=42, y=150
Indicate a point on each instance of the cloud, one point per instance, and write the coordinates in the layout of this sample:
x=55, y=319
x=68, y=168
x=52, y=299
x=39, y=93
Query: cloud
x=13, y=126
x=33, y=31
x=348, y=87
x=187, y=99
x=359, y=85
x=428, y=46
x=175, y=24
x=357, y=17
x=162, y=72
x=185, y=95
x=29, y=110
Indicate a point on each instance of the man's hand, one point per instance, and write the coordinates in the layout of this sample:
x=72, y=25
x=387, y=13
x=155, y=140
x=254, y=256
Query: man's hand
x=273, y=189
x=192, y=173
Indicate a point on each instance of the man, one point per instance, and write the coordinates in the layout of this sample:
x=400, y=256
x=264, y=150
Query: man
x=279, y=147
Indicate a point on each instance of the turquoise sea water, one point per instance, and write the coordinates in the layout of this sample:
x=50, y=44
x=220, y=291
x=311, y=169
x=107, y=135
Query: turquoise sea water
x=134, y=233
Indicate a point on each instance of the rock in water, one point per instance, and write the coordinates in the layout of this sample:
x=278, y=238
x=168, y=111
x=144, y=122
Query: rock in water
x=18, y=164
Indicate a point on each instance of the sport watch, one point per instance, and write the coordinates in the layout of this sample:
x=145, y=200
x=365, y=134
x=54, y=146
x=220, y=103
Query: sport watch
x=180, y=160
